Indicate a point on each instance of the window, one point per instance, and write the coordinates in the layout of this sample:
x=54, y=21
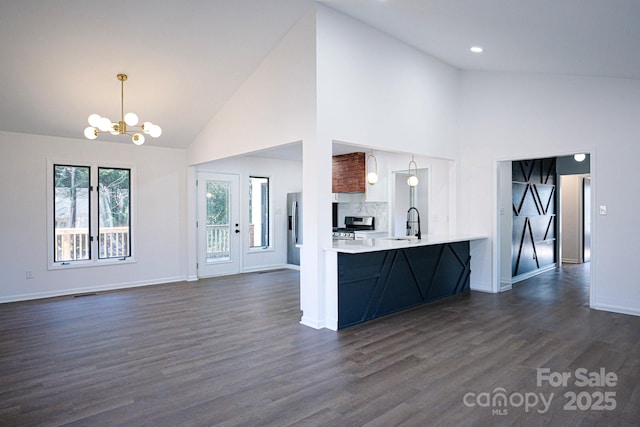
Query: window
x=78, y=211
x=71, y=210
x=258, y=212
x=114, y=221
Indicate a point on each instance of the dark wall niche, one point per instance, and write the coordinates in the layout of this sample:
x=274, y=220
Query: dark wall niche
x=534, y=216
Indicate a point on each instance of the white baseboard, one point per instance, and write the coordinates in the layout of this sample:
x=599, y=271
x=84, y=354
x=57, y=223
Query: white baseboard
x=265, y=268
x=617, y=309
x=89, y=289
x=312, y=323
x=526, y=276
x=570, y=261
x=505, y=285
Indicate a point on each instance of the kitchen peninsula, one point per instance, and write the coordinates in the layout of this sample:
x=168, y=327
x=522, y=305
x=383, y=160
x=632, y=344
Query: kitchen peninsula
x=371, y=278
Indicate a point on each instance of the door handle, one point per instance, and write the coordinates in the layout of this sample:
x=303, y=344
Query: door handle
x=294, y=219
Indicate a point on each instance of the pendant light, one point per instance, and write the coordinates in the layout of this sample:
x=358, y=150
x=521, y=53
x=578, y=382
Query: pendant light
x=413, y=178
x=372, y=175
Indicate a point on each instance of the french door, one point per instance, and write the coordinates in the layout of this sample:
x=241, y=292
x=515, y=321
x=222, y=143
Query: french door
x=218, y=224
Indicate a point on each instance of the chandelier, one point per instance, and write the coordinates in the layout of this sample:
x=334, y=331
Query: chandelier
x=128, y=124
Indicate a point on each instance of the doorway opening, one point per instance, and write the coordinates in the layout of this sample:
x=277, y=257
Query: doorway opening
x=575, y=214
x=509, y=239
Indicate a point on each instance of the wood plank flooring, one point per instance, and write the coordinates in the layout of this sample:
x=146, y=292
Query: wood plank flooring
x=230, y=351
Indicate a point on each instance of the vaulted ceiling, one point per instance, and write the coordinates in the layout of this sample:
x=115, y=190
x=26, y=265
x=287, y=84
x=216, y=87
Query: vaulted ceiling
x=59, y=59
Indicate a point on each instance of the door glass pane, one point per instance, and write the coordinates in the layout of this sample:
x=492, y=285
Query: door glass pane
x=114, y=219
x=218, y=226
x=258, y=212
x=71, y=213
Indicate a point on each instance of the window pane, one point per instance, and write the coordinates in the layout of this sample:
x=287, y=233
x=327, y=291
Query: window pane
x=218, y=226
x=114, y=220
x=71, y=213
x=258, y=212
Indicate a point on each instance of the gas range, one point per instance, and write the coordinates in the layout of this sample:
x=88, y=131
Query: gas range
x=353, y=224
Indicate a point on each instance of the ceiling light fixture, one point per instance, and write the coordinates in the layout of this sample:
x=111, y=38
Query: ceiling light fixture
x=476, y=49
x=126, y=126
x=413, y=179
x=372, y=176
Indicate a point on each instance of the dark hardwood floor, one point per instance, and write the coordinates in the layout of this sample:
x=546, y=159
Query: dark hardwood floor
x=230, y=351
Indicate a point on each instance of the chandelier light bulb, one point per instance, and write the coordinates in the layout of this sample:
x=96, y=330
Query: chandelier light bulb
x=94, y=120
x=155, y=131
x=131, y=119
x=413, y=179
x=146, y=127
x=372, y=178
x=90, y=132
x=138, y=138
x=105, y=124
x=115, y=129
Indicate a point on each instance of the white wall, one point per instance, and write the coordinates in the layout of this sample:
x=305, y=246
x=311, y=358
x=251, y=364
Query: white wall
x=276, y=104
x=284, y=177
x=376, y=91
x=159, y=245
x=514, y=116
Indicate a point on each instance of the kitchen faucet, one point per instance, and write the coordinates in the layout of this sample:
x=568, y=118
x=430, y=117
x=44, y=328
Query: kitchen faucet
x=419, y=233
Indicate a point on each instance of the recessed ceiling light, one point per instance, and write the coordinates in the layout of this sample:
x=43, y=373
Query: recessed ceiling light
x=476, y=49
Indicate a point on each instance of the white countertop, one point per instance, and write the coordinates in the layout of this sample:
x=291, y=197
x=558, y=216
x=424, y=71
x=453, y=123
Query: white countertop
x=389, y=243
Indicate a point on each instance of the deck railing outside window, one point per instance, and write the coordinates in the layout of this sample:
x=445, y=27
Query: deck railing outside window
x=72, y=244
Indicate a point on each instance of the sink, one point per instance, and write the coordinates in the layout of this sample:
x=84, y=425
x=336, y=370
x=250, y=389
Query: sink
x=400, y=238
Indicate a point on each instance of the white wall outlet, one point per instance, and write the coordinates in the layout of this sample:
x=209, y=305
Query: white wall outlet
x=603, y=210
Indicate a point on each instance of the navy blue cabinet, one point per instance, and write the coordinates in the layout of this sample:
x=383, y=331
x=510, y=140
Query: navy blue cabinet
x=374, y=284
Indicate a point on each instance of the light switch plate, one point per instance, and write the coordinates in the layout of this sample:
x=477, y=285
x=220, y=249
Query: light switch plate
x=603, y=210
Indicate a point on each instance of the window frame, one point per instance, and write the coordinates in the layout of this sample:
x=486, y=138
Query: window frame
x=270, y=220
x=99, y=167
x=94, y=260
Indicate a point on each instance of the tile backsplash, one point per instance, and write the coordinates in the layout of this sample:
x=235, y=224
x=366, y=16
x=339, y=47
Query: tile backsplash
x=378, y=210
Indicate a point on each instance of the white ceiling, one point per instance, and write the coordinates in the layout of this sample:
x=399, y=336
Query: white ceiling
x=185, y=59
x=579, y=37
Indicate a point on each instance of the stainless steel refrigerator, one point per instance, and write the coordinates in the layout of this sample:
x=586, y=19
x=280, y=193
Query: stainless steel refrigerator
x=294, y=228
